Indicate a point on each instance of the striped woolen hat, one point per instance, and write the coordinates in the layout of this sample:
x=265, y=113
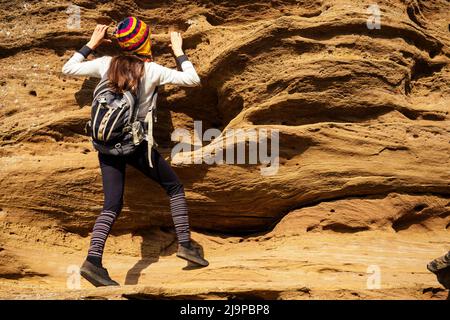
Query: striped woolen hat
x=133, y=35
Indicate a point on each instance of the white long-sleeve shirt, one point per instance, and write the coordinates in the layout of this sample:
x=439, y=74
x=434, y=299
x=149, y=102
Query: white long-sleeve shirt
x=154, y=75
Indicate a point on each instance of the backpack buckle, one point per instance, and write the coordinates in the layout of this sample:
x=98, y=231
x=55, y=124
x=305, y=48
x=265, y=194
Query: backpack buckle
x=118, y=146
x=126, y=129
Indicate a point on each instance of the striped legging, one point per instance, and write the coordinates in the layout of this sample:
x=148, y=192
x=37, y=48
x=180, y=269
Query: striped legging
x=113, y=177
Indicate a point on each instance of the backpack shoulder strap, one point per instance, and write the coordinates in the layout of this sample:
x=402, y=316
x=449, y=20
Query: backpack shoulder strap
x=153, y=98
x=129, y=97
x=133, y=103
x=153, y=101
x=101, y=87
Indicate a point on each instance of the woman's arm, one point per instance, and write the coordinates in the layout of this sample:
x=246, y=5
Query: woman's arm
x=187, y=77
x=76, y=65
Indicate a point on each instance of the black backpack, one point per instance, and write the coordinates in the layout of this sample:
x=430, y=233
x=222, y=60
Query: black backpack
x=114, y=127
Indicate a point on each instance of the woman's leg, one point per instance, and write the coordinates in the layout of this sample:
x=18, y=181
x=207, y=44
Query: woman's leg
x=113, y=177
x=163, y=174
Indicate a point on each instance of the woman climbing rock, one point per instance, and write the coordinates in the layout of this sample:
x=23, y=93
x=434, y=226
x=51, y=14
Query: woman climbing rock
x=121, y=130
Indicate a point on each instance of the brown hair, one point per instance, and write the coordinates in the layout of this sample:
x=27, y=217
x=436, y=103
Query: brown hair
x=125, y=72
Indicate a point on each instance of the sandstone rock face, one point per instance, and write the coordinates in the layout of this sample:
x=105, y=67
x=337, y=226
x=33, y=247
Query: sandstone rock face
x=362, y=115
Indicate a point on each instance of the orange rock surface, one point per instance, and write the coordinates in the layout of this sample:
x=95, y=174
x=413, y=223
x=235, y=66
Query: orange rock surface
x=363, y=182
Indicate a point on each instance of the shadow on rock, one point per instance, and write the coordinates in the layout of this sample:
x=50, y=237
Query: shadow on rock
x=84, y=95
x=154, y=245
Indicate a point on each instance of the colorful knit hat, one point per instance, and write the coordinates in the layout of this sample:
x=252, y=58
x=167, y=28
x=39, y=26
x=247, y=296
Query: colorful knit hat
x=133, y=35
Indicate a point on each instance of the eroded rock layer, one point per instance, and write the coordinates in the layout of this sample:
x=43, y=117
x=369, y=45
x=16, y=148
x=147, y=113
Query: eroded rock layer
x=362, y=114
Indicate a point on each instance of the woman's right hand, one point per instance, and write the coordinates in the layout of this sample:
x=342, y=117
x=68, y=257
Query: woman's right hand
x=98, y=36
x=176, y=43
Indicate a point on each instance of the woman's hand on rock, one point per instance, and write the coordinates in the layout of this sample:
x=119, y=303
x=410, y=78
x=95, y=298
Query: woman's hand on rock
x=176, y=43
x=98, y=36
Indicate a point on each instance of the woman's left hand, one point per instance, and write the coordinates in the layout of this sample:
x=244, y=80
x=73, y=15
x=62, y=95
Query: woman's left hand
x=176, y=43
x=98, y=36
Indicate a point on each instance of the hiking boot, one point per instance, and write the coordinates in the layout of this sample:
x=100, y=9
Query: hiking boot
x=443, y=276
x=439, y=263
x=191, y=254
x=98, y=276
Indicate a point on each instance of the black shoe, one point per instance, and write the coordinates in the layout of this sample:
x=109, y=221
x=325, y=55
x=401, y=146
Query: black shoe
x=98, y=276
x=439, y=264
x=191, y=254
x=443, y=276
